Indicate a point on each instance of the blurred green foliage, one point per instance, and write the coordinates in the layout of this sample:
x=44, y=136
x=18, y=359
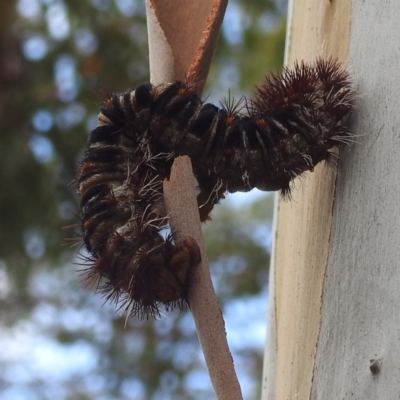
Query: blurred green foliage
x=57, y=57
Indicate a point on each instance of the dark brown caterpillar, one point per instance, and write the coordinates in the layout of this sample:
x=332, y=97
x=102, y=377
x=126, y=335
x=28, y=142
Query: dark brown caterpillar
x=290, y=126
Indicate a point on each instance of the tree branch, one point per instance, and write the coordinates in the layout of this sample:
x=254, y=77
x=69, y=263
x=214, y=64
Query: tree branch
x=182, y=38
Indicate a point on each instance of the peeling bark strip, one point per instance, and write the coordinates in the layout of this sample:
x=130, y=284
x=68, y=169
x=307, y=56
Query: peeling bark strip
x=206, y=314
x=182, y=38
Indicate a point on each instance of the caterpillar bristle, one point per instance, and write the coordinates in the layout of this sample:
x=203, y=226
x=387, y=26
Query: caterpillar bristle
x=193, y=83
x=291, y=124
x=232, y=107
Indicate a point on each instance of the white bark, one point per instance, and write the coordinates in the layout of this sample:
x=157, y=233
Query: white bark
x=335, y=277
x=361, y=298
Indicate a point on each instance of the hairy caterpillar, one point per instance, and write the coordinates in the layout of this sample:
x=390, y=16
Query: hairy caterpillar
x=291, y=125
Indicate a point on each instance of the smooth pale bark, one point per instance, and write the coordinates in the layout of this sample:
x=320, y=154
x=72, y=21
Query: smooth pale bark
x=182, y=37
x=358, y=350
x=334, y=299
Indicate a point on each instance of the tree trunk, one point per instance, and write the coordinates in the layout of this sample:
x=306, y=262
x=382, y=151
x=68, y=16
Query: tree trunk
x=334, y=295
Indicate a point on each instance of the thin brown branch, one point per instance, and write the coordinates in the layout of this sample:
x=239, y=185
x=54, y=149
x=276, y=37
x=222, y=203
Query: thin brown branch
x=182, y=38
x=180, y=196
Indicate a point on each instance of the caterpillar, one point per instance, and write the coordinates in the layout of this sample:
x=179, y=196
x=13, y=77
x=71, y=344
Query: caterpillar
x=293, y=122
